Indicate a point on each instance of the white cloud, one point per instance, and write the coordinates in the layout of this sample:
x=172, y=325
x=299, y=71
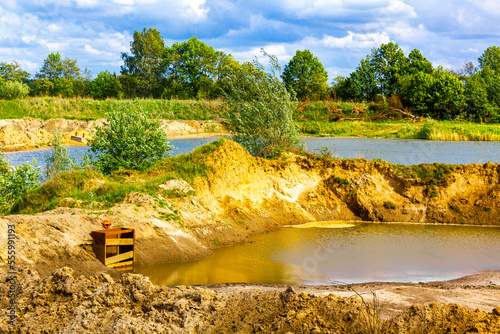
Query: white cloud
x=355, y=41
x=53, y=46
x=53, y=28
x=473, y=50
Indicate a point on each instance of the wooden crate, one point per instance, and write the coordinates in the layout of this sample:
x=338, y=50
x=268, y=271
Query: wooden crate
x=114, y=247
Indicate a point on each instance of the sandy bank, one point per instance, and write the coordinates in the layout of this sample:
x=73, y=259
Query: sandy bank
x=30, y=134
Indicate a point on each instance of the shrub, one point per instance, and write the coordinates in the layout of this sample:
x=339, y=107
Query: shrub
x=58, y=160
x=128, y=139
x=15, y=183
x=260, y=110
x=14, y=90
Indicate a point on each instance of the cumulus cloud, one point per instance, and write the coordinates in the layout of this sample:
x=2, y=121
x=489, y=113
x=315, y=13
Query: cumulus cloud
x=339, y=32
x=356, y=41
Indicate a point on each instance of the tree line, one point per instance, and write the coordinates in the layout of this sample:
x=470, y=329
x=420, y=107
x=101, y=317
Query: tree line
x=195, y=70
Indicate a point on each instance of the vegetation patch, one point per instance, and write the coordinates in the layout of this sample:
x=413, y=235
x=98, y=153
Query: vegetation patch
x=91, y=189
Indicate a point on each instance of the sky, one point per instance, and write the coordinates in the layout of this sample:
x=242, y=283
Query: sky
x=339, y=32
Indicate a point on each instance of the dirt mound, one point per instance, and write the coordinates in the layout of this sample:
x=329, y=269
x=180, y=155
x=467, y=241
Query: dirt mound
x=66, y=303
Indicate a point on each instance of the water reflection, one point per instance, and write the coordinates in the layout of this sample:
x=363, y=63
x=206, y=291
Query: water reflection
x=367, y=252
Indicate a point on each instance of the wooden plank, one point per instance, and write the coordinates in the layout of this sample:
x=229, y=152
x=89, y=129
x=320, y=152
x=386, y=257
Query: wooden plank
x=119, y=264
x=119, y=257
x=119, y=242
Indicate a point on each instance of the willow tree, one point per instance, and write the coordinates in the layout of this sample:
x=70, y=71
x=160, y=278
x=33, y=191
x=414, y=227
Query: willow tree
x=260, y=110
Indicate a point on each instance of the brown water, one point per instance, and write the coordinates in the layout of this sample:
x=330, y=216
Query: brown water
x=365, y=252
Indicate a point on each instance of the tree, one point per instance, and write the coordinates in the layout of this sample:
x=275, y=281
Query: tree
x=417, y=63
x=439, y=95
x=260, y=110
x=145, y=61
x=482, y=95
x=13, y=72
x=191, y=68
x=491, y=58
x=388, y=63
x=128, y=139
x=56, y=68
x=62, y=73
x=364, y=82
x=104, y=86
x=306, y=76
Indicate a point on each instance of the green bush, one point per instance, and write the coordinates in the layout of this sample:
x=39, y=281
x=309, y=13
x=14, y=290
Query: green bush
x=14, y=90
x=59, y=160
x=260, y=110
x=15, y=183
x=128, y=139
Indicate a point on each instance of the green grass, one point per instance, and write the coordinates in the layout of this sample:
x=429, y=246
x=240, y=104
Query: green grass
x=89, y=109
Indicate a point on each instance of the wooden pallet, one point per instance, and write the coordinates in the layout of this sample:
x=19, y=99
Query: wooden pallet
x=114, y=247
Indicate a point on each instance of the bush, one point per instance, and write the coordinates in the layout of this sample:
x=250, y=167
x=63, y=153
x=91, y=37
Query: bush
x=260, y=110
x=15, y=183
x=128, y=139
x=58, y=160
x=14, y=90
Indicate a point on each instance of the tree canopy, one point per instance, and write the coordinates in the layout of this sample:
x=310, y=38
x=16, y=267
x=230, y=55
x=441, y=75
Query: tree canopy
x=145, y=60
x=306, y=76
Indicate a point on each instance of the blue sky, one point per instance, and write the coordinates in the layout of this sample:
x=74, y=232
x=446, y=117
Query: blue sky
x=339, y=32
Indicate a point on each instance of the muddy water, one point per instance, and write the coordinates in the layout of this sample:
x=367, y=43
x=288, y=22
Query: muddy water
x=366, y=252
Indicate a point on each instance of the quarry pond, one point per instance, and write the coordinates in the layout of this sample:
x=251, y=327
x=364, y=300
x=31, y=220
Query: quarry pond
x=366, y=252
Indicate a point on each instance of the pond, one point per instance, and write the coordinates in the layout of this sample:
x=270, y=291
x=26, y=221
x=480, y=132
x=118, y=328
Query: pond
x=363, y=253
x=399, y=151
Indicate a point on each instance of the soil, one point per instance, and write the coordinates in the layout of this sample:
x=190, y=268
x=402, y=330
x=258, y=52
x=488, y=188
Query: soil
x=66, y=303
x=58, y=289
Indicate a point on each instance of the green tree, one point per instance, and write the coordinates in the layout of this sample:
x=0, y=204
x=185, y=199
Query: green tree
x=128, y=139
x=260, y=110
x=306, y=76
x=13, y=72
x=417, y=63
x=55, y=68
x=388, y=63
x=145, y=60
x=191, y=68
x=482, y=95
x=62, y=73
x=491, y=58
x=439, y=95
x=105, y=85
x=364, y=81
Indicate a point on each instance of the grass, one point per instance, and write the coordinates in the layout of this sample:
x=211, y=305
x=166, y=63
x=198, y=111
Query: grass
x=92, y=190
x=89, y=109
x=429, y=175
